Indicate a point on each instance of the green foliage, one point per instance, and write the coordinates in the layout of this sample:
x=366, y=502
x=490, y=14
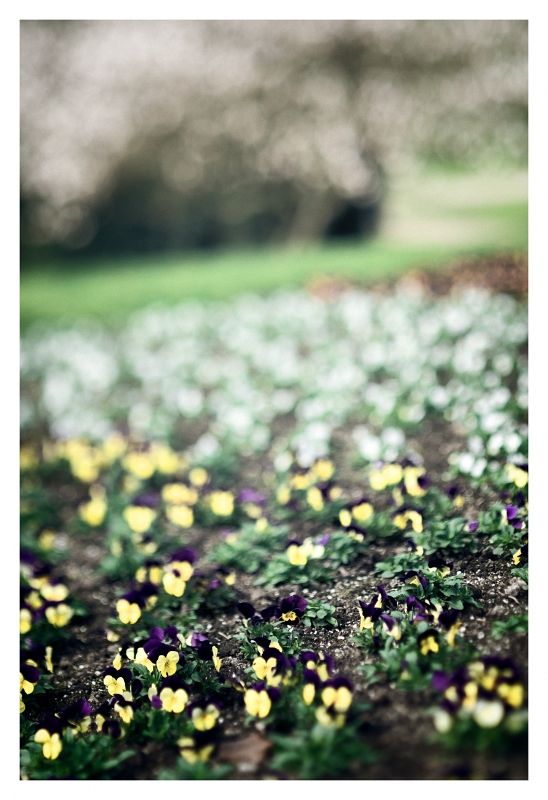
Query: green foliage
x=286, y=635
x=340, y=549
x=517, y=623
x=200, y=771
x=249, y=550
x=319, y=615
x=466, y=737
x=320, y=752
x=94, y=757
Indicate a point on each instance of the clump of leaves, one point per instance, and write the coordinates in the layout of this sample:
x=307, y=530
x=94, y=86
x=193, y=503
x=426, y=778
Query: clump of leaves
x=249, y=549
x=320, y=752
x=200, y=771
x=82, y=758
x=319, y=614
x=517, y=623
x=340, y=549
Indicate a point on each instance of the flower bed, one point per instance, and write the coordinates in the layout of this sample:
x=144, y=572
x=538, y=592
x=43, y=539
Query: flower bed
x=269, y=538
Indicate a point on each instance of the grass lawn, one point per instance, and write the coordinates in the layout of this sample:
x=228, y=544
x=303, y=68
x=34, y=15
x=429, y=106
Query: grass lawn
x=429, y=219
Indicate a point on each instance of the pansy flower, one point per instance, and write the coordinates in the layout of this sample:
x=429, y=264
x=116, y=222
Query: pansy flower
x=259, y=698
x=58, y=614
x=55, y=591
x=454, y=493
x=221, y=503
x=298, y=554
x=93, y=512
x=204, y=713
x=369, y=614
x=473, y=525
x=415, y=481
x=129, y=607
x=320, y=663
x=450, y=621
x=165, y=657
x=414, y=578
x=49, y=735
x=387, y=475
x=180, y=515
x=173, y=695
x=25, y=620
x=404, y=515
x=521, y=555
x=441, y=567
x=391, y=627
x=428, y=641
x=312, y=682
x=518, y=475
x=77, y=716
x=144, y=543
x=291, y=609
x=151, y=572
x=139, y=518
x=198, y=747
x=198, y=477
x=29, y=676
x=337, y=694
x=124, y=708
x=117, y=681
x=178, y=494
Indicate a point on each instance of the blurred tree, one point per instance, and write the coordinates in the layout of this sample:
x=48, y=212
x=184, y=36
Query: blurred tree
x=141, y=136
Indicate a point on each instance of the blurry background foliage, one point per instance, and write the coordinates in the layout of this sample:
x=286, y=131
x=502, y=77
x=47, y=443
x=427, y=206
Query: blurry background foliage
x=141, y=137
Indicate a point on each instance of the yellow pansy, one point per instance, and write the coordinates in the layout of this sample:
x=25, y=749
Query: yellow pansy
x=362, y=512
x=93, y=512
x=339, y=699
x=193, y=754
x=139, y=464
x=262, y=667
x=128, y=612
x=283, y=494
x=429, y=645
x=215, y=658
x=257, y=704
x=178, y=493
x=113, y=448
x=328, y=720
x=511, y=694
x=345, y=517
x=114, y=685
x=323, y=469
x=519, y=477
x=302, y=481
x=204, y=719
x=309, y=693
x=261, y=525
x=46, y=540
x=314, y=498
x=180, y=515
x=173, y=701
x=167, y=665
x=125, y=712
x=165, y=459
x=296, y=555
x=139, y=518
x=174, y=584
x=60, y=615
x=51, y=743
x=221, y=503
x=198, y=476
x=54, y=592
